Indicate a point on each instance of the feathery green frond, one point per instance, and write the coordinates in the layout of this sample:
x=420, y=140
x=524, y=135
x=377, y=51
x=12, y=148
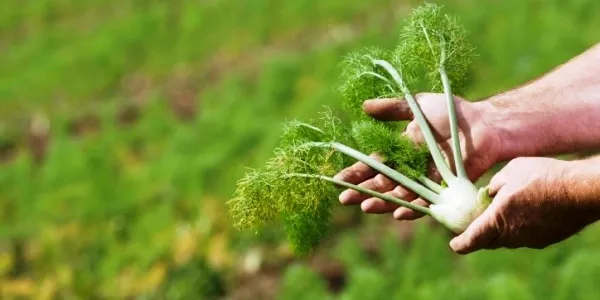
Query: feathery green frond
x=305, y=229
x=302, y=203
x=334, y=129
x=296, y=132
x=399, y=151
x=431, y=39
x=361, y=81
x=372, y=136
x=297, y=193
x=252, y=205
x=326, y=128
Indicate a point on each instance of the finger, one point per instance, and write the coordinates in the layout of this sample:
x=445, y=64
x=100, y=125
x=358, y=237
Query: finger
x=358, y=172
x=377, y=206
x=497, y=182
x=407, y=214
x=388, y=109
x=413, y=132
x=433, y=173
x=447, y=153
x=379, y=183
x=480, y=234
x=475, y=165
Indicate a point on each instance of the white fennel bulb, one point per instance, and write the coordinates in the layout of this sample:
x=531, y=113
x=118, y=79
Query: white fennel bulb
x=459, y=204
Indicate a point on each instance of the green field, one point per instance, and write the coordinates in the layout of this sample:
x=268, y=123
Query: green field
x=124, y=126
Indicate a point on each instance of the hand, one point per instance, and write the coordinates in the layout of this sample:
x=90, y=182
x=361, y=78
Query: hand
x=480, y=142
x=538, y=202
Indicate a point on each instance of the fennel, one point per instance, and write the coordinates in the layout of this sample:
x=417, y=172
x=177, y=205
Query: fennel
x=296, y=185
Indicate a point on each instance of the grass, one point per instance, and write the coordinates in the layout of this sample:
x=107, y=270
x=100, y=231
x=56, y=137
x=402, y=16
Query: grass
x=138, y=210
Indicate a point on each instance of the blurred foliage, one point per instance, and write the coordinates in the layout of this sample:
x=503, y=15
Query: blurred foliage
x=131, y=205
x=426, y=269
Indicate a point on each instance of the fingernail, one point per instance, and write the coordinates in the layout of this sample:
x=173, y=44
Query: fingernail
x=344, y=197
x=365, y=206
x=457, y=245
x=454, y=244
x=400, y=214
x=365, y=104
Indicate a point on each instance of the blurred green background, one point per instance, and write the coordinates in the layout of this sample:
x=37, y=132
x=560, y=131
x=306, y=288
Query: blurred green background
x=124, y=126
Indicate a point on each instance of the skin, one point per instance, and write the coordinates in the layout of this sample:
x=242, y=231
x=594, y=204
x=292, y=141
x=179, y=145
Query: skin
x=538, y=201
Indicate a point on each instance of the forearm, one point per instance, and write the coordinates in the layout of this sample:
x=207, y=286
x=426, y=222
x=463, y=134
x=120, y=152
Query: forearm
x=580, y=186
x=558, y=113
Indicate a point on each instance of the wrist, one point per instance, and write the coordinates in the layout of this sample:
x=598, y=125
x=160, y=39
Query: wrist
x=581, y=185
x=535, y=121
x=485, y=149
x=521, y=129
x=506, y=133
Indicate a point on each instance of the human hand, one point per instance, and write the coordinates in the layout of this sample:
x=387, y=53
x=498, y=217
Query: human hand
x=480, y=142
x=538, y=202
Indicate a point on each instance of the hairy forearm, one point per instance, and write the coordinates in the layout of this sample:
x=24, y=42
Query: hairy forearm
x=558, y=113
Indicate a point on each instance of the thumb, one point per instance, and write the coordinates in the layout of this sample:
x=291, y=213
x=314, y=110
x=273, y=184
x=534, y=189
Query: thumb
x=478, y=235
x=497, y=182
x=388, y=109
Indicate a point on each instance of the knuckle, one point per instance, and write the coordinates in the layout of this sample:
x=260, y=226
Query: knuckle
x=469, y=241
x=469, y=245
x=380, y=182
x=403, y=193
x=397, y=106
x=502, y=228
x=345, y=174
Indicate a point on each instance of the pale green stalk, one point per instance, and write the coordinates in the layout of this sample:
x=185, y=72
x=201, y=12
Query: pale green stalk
x=369, y=192
x=422, y=191
x=432, y=185
x=432, y=145
x=456, y=151
x=375, y=75
x=311, y=127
